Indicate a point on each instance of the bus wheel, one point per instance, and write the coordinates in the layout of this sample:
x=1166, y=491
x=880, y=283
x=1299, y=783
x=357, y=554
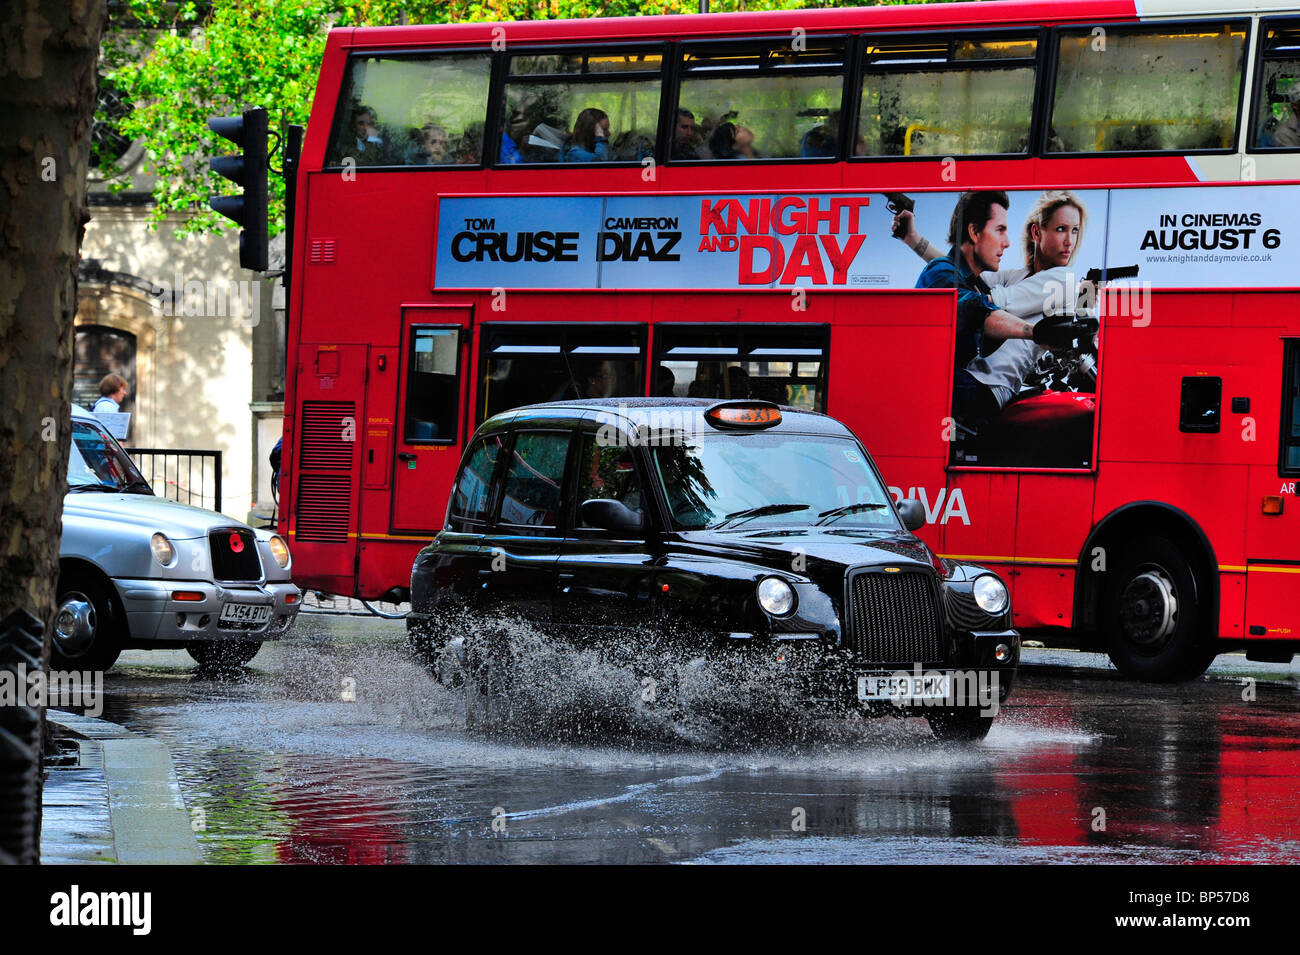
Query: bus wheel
x=488, y=674
x=963, y=725
x=86, y=633
x=1154, y=614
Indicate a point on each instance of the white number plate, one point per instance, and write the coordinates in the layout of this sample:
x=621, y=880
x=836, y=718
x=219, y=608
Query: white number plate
x=245, y=613
x=904, y=689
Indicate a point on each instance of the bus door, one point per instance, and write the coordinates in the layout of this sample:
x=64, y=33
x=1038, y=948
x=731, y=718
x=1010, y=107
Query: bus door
x=1272, y=504
x=431, y=408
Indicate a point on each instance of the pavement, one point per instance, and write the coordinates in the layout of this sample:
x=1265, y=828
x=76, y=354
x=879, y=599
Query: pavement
x=119, y=801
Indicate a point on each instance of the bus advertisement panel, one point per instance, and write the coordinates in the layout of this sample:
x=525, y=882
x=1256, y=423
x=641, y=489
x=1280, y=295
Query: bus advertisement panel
x=1017, y=401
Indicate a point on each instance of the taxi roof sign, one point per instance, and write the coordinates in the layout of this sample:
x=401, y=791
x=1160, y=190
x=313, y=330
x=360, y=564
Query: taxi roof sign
x=744, y=415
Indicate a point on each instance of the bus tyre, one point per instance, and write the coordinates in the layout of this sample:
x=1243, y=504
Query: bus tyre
x=962, y=724
x=488, y=675
x=223, y=654
x=1154, y=614
x=86, y=631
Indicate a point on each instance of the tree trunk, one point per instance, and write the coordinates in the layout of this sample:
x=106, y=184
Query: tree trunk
x=48, y=55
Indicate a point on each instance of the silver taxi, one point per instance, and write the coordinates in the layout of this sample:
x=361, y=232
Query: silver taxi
x=139, y=571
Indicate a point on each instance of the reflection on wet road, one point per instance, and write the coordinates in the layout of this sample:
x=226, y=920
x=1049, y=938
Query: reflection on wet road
x=1082, y=766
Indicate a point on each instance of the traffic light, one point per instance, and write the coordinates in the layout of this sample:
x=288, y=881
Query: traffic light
x=248, y=170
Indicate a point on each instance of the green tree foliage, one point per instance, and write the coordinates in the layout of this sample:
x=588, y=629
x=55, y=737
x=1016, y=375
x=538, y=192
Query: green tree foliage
x=178, y=64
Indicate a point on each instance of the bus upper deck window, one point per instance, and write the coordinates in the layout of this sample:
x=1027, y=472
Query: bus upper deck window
x=580, y=107
x=1157, y=88
x=770, y=100
x=411, y=111
x=1277, y=103
x=947, y=96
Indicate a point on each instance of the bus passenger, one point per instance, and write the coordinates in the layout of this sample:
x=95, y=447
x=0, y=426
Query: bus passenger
x=1287, y=134
x=738, y=383
x=632, y=146
x=822, y=140
x=590, y=140
x=467, y=150
x=363, y=144
x=665, y=382
x=433, y=145
x=687, y=143
x=730, y=141
x=514, y=135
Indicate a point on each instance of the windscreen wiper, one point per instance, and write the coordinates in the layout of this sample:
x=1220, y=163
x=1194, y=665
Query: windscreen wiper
x=111, y=489
x=760, y=511
x=835, y=513
x=138, y=485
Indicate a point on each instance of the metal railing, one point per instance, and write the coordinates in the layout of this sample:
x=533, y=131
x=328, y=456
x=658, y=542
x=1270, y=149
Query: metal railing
x=190, y=477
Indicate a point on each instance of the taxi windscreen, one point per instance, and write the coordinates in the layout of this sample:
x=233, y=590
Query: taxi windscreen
x=97, y=462
x=728, y=480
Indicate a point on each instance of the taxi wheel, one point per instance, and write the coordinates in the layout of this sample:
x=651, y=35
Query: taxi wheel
x=86, y=632
x=427, y=650
x=964, y=724
x=1153, y=614
x=223, y=653
x=488, y=679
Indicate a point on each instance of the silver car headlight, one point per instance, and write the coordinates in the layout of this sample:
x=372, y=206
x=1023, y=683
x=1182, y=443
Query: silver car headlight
x=990, y=593
x=163, y=550
x=775, y=596
x=279, y=550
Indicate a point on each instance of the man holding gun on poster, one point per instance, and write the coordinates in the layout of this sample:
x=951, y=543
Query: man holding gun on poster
x=983, y=382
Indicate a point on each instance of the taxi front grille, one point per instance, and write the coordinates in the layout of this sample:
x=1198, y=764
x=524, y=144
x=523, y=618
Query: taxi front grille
x=234, y=555
x=894, y=618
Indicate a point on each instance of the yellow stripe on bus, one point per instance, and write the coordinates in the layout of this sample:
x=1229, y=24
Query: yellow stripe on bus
x=987, y=559
x=1223, y=568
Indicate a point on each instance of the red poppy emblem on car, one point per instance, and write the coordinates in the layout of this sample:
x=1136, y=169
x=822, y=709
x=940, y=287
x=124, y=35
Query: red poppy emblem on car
x=236, y=543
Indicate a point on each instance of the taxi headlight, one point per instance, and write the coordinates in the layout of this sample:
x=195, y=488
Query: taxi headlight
x=279, y=550
x=990, y=593
x=163, y=550
x=775, y=596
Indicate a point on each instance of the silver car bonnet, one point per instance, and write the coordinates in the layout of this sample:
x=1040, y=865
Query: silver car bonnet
x=148, y=513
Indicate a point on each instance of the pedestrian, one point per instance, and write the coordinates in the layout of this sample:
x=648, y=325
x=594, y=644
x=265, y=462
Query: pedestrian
x=112, y=392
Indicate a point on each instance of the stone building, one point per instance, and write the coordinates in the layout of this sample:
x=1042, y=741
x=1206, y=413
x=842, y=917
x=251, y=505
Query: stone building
x=198, y=339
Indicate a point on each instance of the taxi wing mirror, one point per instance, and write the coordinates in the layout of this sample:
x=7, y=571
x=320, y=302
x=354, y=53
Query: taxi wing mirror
x=912, y=513
x=611, y=515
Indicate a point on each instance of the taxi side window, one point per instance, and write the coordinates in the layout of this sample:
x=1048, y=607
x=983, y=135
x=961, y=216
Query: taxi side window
x=470, y=498
x=607, y=472
x=534, y=478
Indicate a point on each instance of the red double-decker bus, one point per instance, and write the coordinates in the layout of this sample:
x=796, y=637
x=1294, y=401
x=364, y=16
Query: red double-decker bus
x=868, y=212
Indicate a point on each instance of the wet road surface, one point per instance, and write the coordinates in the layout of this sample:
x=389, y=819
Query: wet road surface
x=336, y=747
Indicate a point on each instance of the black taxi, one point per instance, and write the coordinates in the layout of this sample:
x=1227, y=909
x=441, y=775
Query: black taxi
x=749, y=527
